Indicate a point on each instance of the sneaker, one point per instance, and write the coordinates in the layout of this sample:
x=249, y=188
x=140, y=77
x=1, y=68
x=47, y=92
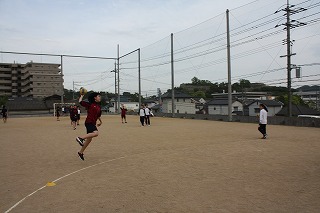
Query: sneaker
x=81, y=155
x=80, y=141
x=264, y=136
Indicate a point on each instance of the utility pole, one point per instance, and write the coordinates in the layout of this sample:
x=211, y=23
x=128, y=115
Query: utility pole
x=172, y=77
x=288, y=26
x=62, y=92
x=118, y=80
x=229, y=70
x=139, y=74
x=115, y=86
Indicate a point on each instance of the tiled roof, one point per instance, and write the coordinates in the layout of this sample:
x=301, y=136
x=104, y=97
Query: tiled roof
x=298, y=110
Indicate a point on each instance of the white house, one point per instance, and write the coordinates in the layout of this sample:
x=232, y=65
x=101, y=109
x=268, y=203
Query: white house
x=220, y=107
x=183, y=103
x=273, y=107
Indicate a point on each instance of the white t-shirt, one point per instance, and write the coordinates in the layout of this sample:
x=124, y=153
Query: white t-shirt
x=263, y=116
x=142, y=113
x=147, y=110
x=79, y=111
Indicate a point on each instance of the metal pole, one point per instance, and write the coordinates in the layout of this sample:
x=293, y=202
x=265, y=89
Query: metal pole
x=115, y=86
x=118, y=80
x=289, y=60
x=229, y=70
x=61, y=66
x=172, y=78
x=139, y=73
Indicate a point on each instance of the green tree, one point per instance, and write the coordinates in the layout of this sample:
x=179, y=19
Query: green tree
x=3, y=100
x=296, y=100
x=195, y=81
x=199, y=94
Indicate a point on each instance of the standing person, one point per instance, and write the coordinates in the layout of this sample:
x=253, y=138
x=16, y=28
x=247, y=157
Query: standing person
x=123, y=113
x=63, y=110
x=4, y=113
x=93, y=114
x=147, y=111
x=142, y=114
x=263, y=120
x=78, y=115
x=74, y=116
x=58, y=113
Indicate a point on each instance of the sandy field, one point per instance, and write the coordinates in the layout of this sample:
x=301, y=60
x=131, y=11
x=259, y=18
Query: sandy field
x=176, y=165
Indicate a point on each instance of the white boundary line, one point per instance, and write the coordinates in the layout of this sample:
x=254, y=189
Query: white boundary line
x=60, y=178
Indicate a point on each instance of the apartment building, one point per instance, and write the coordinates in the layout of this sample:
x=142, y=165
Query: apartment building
x=32, y=79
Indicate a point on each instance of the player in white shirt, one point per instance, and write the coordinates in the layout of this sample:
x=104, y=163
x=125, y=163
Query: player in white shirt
x=263, y=120
x=148, y=113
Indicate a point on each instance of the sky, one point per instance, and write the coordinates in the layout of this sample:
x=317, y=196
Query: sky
x=96, y=27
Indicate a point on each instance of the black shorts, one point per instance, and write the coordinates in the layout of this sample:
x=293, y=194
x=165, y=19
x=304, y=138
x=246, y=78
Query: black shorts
x=90, y=128
x=123, y=116
x=74, y=119
x=78, y=117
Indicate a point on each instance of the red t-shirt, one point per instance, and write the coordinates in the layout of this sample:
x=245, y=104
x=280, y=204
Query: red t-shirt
x=123, y=111
x=73, y=113
x=93, y=112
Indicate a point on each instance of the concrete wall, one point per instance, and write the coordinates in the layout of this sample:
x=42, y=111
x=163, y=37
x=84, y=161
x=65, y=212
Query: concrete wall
x=275, y=120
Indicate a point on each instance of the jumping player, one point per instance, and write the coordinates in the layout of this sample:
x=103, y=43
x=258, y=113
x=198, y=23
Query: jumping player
x=263, y=120
x=123, y=113
x=4, y=113
x=93, y=114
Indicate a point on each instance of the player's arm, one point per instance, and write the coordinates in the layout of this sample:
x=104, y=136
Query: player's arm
x=80, y=99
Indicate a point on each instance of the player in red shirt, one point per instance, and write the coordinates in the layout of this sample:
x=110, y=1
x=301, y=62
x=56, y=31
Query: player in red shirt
x=93, y=114
x=123, y=113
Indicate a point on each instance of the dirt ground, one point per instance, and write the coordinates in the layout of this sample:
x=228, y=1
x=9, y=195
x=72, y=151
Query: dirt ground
x=176, y=165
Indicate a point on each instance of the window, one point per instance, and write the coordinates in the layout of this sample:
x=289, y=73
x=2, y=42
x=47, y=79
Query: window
x=177, y=99
x=178, y=111
x=236, y=108
x=256, y=110
x=214, y=108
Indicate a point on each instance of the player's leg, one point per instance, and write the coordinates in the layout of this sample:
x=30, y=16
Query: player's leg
x=85, y=145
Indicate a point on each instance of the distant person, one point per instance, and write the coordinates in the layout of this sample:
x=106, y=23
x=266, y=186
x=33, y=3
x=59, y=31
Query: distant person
x=142, y=115
x=73, y=116
x=93, y=114
x=148, y=114
x=4, y=113
x=263, y=120
x=78, y=116
x=58, y=113
x=123, y=113
x=63, y=110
